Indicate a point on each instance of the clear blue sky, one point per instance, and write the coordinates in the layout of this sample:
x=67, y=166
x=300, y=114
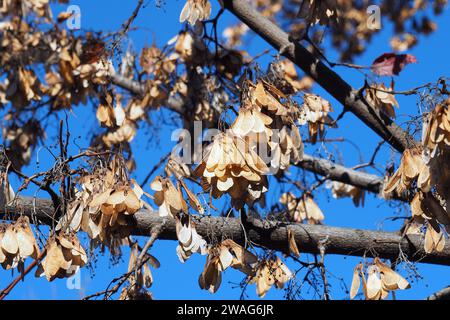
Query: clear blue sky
x=179, y=281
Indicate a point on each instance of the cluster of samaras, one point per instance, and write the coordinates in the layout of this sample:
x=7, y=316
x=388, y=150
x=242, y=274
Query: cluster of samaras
x=120, y=121
x=74, y=68
x=170, y=199
x=234, y=165
x=195, y=10
x=238, y=161
x=189, y=241
x=426, y=170
x=240, y=172
x=380, y=96
x=17, y=242
x=265, y=273
x=40, y=8
x=78, y=66
x=303, y=209
x=271, y=272
x=104, y=205
x=313, y=11
x=378, y=280
x=64, y=257
x=342, y=190
x=64, y=254
x=140, y=275
x=315, y=113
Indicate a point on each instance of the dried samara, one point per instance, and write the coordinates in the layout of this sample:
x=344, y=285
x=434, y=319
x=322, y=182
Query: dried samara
x=64, y=257
x=381, y=98
x=412, y=167
x=437, y=132
x=315, y=111
x=271, y=272
x=7, y=193
x=342, y=190
x=301, y=209
x=377, y=281
x=189, y=241
x=195, y=10
x=230, y=166
x=168, y=198
x=17, y=243
x=104, y=205
x=227, y=254
x=427, y=211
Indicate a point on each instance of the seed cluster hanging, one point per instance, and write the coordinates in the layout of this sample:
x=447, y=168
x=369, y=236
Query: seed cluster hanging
x=17, y=242
x=378, y=280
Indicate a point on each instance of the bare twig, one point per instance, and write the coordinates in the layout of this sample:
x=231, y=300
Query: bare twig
x=11, y=286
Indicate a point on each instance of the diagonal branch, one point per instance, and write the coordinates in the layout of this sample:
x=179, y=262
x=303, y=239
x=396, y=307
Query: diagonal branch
x=324, y=76
x=344, y=241
x=336, y=172
x=443, y=294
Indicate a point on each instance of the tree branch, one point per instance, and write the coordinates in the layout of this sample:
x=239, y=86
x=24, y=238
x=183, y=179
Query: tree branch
x=344, y=241
x=443, y=294
x=336, y=172
x=173, y=103
x=324, y=76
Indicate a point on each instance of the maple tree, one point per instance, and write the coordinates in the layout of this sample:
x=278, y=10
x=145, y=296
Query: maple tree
x=266, y=119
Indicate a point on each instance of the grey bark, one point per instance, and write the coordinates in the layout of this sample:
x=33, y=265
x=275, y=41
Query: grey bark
x=443, y=294
x=336, y=172
x=270, y=235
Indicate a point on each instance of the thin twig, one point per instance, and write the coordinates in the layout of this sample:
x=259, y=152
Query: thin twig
x=11, y=286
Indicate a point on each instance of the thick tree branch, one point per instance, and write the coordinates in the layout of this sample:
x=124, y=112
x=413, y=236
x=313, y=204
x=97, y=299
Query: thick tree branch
x=324, y=76
x=443, y=294
x=336, y=172
x=336, y=240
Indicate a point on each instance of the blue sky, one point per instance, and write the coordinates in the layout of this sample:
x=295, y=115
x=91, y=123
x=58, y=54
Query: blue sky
x=179, y=281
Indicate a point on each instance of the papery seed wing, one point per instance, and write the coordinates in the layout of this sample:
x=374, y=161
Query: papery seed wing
x=356, y=282
x=9, y=241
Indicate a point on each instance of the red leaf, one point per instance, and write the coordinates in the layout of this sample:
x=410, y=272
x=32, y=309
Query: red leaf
x=389, y=64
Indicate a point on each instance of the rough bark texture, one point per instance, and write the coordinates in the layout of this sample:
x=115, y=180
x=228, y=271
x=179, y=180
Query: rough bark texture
x=324, y=76
x=340, y=173
x=337, y=172
x=443, y=294
x=271, y=235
